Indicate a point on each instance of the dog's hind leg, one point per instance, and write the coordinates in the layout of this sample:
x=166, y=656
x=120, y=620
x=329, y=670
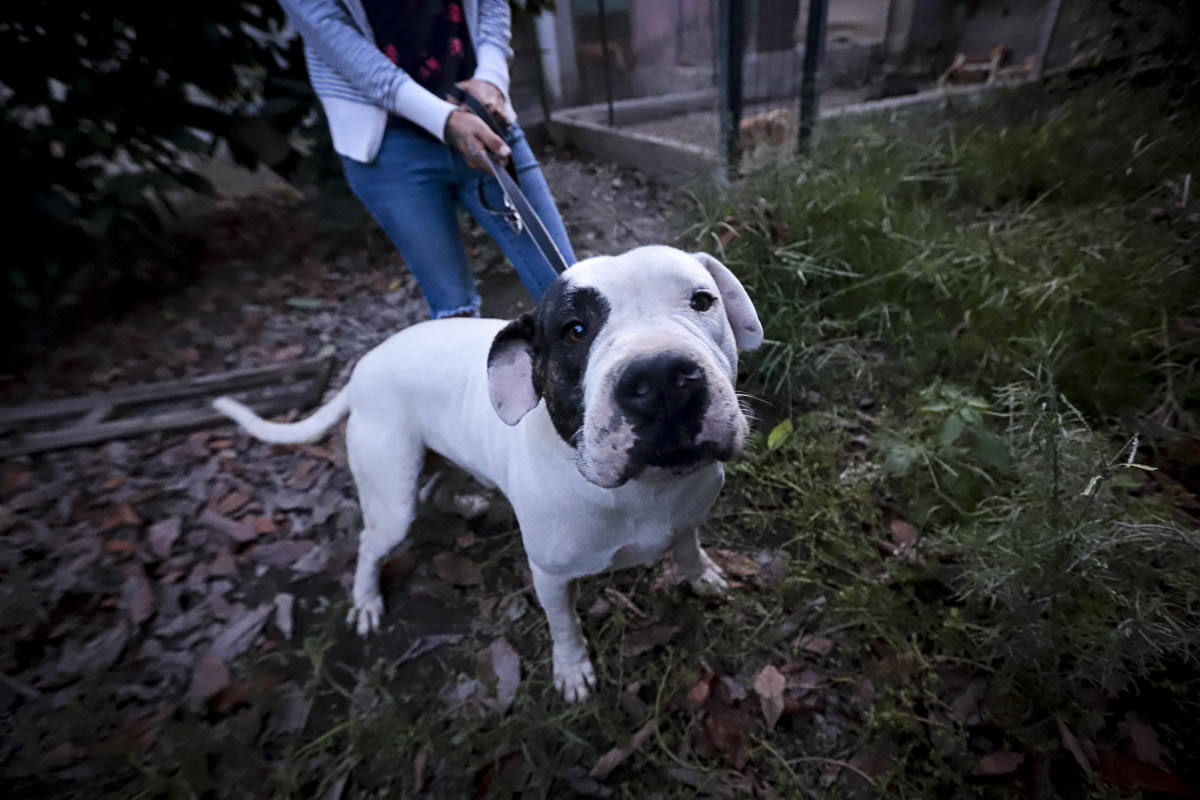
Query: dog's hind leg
x=701, y=572
x=386, y=471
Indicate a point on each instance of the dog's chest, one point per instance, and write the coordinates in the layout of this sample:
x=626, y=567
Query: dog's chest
x=642, y=546
x=577, y=529
x=638, y=534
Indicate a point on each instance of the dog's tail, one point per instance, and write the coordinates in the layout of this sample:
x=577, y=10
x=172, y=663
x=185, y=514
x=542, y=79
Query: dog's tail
x=306, y=430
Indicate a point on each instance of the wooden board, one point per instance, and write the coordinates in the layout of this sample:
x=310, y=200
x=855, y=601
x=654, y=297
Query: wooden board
x=82, y=420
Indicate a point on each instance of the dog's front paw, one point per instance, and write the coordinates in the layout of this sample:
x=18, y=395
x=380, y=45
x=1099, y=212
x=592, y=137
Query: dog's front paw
x=364, y=616
x=711, y=582
x=575, y=680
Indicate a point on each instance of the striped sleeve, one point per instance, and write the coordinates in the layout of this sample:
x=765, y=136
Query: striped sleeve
x=492, y=43
x=329, y=31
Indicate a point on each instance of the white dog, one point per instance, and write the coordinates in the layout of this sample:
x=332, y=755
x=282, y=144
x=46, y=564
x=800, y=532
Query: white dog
x=603, y=416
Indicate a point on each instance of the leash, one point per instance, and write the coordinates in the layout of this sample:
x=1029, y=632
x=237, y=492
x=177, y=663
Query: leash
x=521, y=216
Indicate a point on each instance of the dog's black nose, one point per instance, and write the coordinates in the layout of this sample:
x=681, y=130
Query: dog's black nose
x=655, y=386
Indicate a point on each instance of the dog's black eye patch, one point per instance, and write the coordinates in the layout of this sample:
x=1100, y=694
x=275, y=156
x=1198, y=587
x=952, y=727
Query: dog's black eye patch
x=569, y=318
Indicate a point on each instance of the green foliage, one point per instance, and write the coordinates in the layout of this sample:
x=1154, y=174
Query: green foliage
x=105, y=112
x=1067, y=581
x=1008, y=301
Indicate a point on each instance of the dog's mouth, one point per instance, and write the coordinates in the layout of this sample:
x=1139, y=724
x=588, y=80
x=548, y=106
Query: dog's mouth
x=616, y=460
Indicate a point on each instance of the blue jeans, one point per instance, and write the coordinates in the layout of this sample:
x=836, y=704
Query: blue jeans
x=412, y=189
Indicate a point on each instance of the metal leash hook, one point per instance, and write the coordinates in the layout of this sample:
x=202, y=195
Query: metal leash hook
x=512, y=216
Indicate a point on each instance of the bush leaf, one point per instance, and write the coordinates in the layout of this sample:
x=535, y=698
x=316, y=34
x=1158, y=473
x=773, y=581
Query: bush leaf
x=779, y=434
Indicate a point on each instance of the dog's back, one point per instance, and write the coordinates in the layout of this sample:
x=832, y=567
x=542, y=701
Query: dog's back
x=430, y=381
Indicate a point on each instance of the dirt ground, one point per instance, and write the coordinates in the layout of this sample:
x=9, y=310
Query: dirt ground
x=153, y=587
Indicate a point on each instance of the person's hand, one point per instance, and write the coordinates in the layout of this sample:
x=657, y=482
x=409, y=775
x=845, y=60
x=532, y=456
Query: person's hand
x=473, y=138
x=488, y=94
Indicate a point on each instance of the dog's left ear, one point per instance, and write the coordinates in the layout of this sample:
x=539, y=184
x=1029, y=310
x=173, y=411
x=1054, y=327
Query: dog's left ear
x=747, y=330
x=510, y=370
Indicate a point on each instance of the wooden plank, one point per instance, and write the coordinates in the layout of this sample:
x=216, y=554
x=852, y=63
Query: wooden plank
x=166, y=391
x=97, y=414
x=192, y=419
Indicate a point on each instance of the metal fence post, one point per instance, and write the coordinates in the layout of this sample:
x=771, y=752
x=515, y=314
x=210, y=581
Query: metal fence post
x=731, y=35
x=607, y=61
x=814, y=43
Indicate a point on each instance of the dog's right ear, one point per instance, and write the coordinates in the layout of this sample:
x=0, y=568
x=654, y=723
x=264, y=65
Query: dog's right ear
x=510, y=376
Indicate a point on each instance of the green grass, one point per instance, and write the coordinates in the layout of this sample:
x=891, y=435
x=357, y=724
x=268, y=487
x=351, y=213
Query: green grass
x=995, y=304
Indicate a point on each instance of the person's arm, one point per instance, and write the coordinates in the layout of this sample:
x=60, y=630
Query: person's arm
x=492, y=43
x=328, y=28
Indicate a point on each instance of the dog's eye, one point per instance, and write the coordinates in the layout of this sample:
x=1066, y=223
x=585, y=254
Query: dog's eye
x=573, y=331
x=702, y=301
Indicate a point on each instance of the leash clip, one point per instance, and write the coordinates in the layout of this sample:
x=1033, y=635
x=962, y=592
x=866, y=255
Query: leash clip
x=512, y=216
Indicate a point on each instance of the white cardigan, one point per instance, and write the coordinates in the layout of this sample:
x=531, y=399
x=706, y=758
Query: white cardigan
x=358, y=85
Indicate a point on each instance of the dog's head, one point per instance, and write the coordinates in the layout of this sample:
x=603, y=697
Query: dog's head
x=635, y=357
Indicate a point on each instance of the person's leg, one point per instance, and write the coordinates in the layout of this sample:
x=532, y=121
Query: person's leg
x=485, y=200
x=410, y=190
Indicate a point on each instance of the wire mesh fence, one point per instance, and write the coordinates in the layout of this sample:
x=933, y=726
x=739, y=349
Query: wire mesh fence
x=746, y=80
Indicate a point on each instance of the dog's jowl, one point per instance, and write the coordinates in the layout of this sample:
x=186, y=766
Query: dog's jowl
x=625, y=370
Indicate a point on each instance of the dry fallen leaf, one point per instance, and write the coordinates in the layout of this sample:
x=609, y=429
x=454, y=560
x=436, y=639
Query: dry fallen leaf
x=284, y=604
x=419, y=763
x=769, y=686
x=816, y=644
x=728, y=730
x=903, y=531
x=136, y=736
x=283, y=553
x=124, y=515
x=14, y=479
x=302, y=472
x=501, y=660
x=262, y=524
x=238, y=530
x=1130, y=775
x=209, y=677
x=236, y=637
x=615, y=757
x=163, y=534
x=233, y=695
x=137, y=597
x=646, y=639
x=288, y=353
x=598, y=609
x=457, y=570
x=1001, y=762
x=222, y=564
x=231, y=503
x=95, y=655
x=398, y=567
x=734, y=563
x=700, y=691
x=1146, y=745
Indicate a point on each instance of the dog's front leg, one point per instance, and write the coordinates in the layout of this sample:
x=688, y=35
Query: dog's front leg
x=700, y=571
x=573, y=673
